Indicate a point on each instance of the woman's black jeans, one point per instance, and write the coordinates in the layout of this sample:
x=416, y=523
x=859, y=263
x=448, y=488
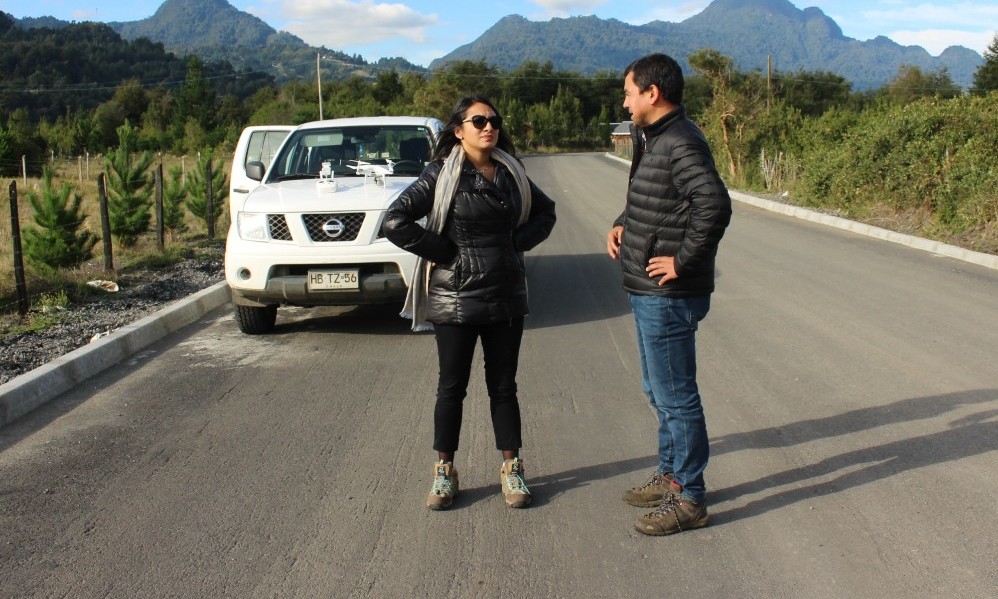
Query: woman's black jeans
x=501, y=350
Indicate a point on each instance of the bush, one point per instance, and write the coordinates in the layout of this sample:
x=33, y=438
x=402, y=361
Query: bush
x=934, y=156
x=197, y=188
x=60, y=241
x=129, y=187
x=174, y=196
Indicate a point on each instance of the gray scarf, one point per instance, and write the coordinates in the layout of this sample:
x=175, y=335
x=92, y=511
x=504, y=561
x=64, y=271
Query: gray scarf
x=443, y=197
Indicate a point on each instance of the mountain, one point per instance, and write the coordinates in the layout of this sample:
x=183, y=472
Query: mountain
x=749, y=31
x=217, y=31
x=41, y=22
x=61, y=68
x=192, y=25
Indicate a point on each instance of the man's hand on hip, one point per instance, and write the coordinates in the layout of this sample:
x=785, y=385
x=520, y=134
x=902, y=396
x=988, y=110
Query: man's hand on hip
x=662, y=266
x=613, y=242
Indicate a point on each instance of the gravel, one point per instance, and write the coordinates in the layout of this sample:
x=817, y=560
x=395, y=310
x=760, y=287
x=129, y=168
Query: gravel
x=141, y=293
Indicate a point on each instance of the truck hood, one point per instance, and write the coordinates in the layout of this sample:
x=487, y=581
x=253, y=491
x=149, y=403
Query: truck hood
x=310, y=195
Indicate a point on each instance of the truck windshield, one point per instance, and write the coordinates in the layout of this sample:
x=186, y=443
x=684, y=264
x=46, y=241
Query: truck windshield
x=406, y=150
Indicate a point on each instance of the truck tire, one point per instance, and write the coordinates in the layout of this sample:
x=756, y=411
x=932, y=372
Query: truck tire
x=256, y=321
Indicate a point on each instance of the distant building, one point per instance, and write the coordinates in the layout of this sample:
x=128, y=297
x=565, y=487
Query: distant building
x=621, y=137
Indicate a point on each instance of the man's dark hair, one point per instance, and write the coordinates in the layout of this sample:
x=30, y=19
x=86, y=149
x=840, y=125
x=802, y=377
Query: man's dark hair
x=659, y=70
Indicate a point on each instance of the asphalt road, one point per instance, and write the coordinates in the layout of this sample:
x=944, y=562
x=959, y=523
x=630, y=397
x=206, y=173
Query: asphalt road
x=851, y=389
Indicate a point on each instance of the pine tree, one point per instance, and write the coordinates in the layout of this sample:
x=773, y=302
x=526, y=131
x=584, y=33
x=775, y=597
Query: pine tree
x=129, y=187
x=986, y=76
x=6, y=152
x=195, y=99
x=197, y=188
x=174, y=196
x=60, y=240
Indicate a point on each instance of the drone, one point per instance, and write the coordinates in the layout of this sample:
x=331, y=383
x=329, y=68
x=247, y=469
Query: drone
x=376, y=171
x=327, y=179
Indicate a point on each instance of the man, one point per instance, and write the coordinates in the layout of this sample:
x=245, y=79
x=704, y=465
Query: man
x=666, y=240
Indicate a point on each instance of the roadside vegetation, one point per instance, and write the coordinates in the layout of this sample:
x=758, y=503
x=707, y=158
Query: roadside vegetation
x=919, y=155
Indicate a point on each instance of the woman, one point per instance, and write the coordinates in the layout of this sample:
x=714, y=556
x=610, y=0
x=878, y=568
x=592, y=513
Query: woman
x=470, y=283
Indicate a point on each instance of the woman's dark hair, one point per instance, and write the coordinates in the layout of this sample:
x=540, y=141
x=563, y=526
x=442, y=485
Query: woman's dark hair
x=448, y=139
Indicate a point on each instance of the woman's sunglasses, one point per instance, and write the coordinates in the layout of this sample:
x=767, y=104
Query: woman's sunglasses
x=478, y=121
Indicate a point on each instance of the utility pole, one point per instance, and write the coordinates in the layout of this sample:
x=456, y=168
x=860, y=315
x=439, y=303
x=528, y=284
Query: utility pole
x=318, y=79
x=769, y=81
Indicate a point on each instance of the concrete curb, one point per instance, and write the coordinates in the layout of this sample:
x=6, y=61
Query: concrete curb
x=935, y=247
x=30, y=390
x=918, y=243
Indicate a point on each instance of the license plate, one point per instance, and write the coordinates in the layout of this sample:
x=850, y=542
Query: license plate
x=320, y=280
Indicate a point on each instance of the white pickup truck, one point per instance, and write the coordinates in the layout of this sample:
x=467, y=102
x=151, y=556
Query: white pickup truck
x=306, y=229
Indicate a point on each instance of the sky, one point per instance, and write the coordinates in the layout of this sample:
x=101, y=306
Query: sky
x=423, y=30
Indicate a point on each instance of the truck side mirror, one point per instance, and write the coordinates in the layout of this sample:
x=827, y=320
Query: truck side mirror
x=255, y=169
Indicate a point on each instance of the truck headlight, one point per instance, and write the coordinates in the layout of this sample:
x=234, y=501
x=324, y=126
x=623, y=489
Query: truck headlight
x=252, y=226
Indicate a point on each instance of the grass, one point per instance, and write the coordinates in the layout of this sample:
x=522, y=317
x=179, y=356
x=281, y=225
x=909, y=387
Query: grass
x=47, y=313
x=43, y=283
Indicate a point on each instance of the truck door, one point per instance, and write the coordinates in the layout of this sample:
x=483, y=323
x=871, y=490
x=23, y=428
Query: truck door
x=255, y=144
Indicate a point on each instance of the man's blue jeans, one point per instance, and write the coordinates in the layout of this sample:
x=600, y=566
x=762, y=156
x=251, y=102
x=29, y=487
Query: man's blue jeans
x=667, y=346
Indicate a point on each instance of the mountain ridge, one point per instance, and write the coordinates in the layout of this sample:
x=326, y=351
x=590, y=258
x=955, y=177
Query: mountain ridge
x=215, y=20
x=751, y=32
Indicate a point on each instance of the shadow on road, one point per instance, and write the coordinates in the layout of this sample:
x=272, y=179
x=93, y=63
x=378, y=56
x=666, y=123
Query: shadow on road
x=968, y=436
x=572, y=289
x=906, y=410
x=349, y=320
x=547, y=487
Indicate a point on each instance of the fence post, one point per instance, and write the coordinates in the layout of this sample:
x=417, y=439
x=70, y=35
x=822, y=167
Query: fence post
x=15, y=233
x=160, y=225
x=105, y=222
x=210, y=203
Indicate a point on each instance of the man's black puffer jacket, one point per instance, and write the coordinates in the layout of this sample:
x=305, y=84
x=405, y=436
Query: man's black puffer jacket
x=478, y=275
x=677, y=205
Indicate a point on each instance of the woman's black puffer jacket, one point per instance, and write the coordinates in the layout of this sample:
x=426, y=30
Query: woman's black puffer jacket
x=478, y=275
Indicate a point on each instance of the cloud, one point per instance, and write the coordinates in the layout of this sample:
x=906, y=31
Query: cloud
x=935, y=27
x=568, y=7
x=937, y=40
x=337, y=24
x=84, y=15
x=961, y=15
x=668, y=13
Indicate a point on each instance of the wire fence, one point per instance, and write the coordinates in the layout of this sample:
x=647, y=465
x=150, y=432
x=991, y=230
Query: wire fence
x=22, y=285
x=81, y=168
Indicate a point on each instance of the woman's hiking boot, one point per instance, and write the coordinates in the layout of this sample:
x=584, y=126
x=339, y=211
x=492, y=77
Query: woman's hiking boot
x=514, y=487
x=445, y=486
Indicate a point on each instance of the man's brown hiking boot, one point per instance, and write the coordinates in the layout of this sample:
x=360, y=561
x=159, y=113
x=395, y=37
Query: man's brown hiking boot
x=676, y=514
x=514, y=487
x=651, y=493
x=445, y=486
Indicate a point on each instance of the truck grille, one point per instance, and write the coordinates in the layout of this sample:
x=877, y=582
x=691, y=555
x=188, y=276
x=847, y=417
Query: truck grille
x=333, y=227
x=278, y=226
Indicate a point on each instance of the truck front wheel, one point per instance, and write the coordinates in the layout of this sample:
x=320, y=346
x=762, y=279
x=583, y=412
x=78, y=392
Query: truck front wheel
x=256, y=321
